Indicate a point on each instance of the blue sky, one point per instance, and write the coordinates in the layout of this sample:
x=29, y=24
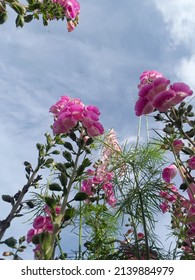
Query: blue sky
x=100, y=62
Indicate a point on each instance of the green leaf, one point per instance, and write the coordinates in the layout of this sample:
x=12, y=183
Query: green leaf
x=10, y=242
x=3, y=17
x=69, y=213
x=19, y=21
x=28, y=18
x=36, y=238
x=68, y=146
x=8, y=198
x=55, y=152
x=67, y=155
x=63, y=179
x=187, y=151
x=18, y=8
x=30, y=204
x=61, y=167
x=73, y=136
x=89, y=141
x=55, y=187
x=80, y=196
x=50, y=201
x=86, y=162
x=48, y=162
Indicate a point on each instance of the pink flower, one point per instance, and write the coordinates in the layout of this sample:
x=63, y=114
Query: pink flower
x=143, y=106
x=71, y=25
x=177, y=145
x=72, y=8
x=55, y=109
x=140, y=235
x=148, y=77
x=68, y=112
x=30, y=234
x=111, y=200
x=163, y=101
x=95, y=129
x=191, y=162
x=154, y=93
x=182, y=91
x=39, y=222
x=164, y=207
x=169, y=173
x=87, y=187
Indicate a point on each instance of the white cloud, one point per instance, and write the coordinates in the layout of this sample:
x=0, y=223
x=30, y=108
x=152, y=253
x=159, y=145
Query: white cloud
x=185, y=70
x=179, y=17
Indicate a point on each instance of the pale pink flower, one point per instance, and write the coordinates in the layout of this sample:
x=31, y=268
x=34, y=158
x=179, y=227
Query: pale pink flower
x=191, y=162
x=111, y=200
x=169, y=173
x=71, y=25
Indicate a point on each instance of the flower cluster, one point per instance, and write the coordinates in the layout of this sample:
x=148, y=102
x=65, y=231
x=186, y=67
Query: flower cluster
x=41, y=224
x=68, y=112
x=100, y=179
x=71, y=11
x=156, y=93
x=182, y=208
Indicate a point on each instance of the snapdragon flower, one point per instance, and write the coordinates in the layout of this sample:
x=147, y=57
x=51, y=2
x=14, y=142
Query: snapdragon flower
x=68, y=112
x=156, y=94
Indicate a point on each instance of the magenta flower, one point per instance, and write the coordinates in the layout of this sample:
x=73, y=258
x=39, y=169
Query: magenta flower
x=72, y=8
x=191, y=162
x=164, y=100
x=164, y=207
x=30, y=234
x=154, y=93
x=169, y=173
x=55, y=109
x=143, y=107
x=148, y=77
x=68, y=112
x=71, y=12
x=39, y=222
x=95, y=129
x=177, y=145
x=87, y=187
x=182, y=91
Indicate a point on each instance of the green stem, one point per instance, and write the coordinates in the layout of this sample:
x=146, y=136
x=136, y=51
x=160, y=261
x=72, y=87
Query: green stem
x=80, y=230
x=147, y=129
x=139, y=132
x=59, y=219
x=142, y=213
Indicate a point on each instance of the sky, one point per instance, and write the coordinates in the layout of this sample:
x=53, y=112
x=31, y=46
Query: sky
x=99, y=62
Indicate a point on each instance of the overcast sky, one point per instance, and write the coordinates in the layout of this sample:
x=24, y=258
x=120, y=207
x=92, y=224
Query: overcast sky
x=100, y=62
